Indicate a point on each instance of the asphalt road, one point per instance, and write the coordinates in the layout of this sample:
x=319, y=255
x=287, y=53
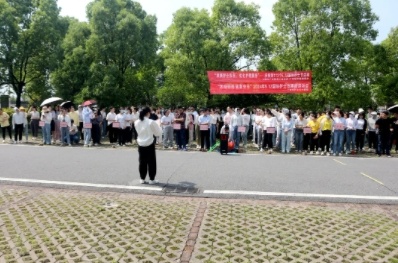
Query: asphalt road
x=286, y=177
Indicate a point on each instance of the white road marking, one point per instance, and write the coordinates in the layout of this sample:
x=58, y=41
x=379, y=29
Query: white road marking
x=110, y=186
x=226, y=192
x=337, y=161
x=371, y=178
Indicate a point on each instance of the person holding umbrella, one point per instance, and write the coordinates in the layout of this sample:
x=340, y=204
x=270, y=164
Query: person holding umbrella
x=87, y=115
x=147, y=130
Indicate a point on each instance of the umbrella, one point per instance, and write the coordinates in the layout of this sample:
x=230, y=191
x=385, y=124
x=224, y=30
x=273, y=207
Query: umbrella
x=66, y=104
x=89, y=102
x=393, y=109
x=50, y=100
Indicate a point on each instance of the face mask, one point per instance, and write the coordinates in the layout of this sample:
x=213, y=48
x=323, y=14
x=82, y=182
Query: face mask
x=351, y=116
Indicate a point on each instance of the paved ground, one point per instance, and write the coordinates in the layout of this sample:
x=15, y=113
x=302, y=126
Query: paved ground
x=288, y=177
x=52, y=225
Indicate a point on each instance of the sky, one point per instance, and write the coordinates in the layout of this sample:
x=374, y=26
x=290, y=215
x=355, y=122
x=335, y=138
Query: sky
x=164, y=10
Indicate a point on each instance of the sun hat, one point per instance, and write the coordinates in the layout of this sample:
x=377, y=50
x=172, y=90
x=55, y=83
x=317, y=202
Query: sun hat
x=360, y=110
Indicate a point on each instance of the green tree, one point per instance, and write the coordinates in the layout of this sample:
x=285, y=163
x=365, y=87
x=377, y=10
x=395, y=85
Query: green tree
x=331, y=39
x=30, y=32
x=122, y=46
x=73, y=72
x=384, y=66
x=229, y=39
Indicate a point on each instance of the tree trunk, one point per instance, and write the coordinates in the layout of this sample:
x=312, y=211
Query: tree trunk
x=18, y=91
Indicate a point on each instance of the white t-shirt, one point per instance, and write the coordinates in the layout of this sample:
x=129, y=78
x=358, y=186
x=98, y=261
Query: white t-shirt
x=166, y=121
x=146, y=129
x=111, y=117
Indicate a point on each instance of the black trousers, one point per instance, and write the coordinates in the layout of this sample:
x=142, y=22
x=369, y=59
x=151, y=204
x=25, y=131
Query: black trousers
x=205, y=138
x=128, y=135
x=313, y=142
x=96, y=133
x=18, y=132
x=3, y=131
x=113, y=134
x=372, y=140
x=80, y=128
x=147, y=161
x=134, y=133
x=306, y=141
x=122, y=136
x=34, y=124
x=360, y=139
x=267, y=140
x=325, y=140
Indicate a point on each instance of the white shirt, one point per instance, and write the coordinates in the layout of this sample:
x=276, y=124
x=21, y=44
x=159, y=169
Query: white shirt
x=227, y=118
x=268, y=122
x=18, y=118
x=35, y=115
x=204, y=119
x=351, y=123
x=166, y=120
x=121, y=119
x=360, y=124
x=146, y=129
x=128, y=118
x=236, y=120
x=214, y=118
x=135, y=116
x=246, y=120
x=372, y=124
x=111, y=117
x=300, y=123
x=65, y=118
x=47, y=117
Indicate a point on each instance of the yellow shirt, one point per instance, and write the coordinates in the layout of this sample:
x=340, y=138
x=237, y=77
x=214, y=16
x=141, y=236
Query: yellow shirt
x=75, y=117
x=314, y=125
x=327, y=124
x=4, y=120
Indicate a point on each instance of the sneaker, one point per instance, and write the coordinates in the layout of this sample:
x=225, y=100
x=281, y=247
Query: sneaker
x=328, y=154
x=317, y=153
x=143, y=181
x=334, y=154
x=340, y=154
x=311, y=152
x=4, y=141
x=261, y=150
x=152, y=182
x=322, y=153
x=388, y=156
x=70, y=145
x=85, y=145
x=15, y=142
x=185, y=149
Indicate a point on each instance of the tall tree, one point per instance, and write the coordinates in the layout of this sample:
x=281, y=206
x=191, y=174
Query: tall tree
x=123, y=42
x=73, y=73
x=29, y=38
x=330, y=38
x=229, y=39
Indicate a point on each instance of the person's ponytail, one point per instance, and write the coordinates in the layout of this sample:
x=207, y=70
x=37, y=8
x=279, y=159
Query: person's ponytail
x=144, y=112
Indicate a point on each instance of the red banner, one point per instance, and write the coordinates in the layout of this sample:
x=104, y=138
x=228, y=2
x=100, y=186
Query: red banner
x=255, y=82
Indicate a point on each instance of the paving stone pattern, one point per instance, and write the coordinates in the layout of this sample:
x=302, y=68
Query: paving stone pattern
x=276, y=233
x=50, y=225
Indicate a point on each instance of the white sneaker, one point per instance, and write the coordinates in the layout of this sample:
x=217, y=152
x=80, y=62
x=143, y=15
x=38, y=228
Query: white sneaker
x=143, y=181
x=334, y=154
x=317, y=153
x=322, y=154
x=340, y=154
x=311, y=152
x=4, y=141
x=70, y=145
x=153, y=182
x=328, y=154
x=15, y=142
x=261, y=150
x=85, y=145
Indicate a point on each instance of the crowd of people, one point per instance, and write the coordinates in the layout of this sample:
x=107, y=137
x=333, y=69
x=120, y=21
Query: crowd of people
x=324, y=133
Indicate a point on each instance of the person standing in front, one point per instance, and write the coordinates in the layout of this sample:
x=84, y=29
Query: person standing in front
x=147, y=130
x=5, y=125
x=287, y=130
x=204, y=122
x=64, y=123
x=46, y=117
x=180, y=119
x=112, y=132
x=384, y=128
x=168, y=136
x=87, y=114
x=18, y=123
x=34, y=121
x=120, y=118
